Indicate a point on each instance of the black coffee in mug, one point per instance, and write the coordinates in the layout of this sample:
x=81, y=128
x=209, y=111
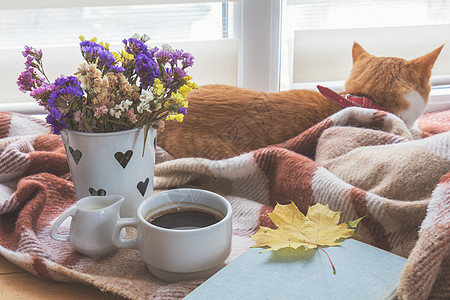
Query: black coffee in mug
x=183, y=218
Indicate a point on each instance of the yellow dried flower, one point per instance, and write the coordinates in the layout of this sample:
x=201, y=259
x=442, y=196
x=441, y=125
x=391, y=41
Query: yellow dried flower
x=177, y=117
x=127, y=55
x=184, y=90
x=117, y=56
x=158, y=87
x=178, y=97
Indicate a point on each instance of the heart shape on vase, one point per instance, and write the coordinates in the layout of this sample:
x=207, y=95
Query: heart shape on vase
x=123, y=158
x=100, y=192
x=76, y=154
x=142, y=186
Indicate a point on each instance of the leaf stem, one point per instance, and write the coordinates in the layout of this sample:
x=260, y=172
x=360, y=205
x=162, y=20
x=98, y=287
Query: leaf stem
x=332, y=265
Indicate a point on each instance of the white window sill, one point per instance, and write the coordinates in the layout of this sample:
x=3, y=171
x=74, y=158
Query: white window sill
x=439, y=99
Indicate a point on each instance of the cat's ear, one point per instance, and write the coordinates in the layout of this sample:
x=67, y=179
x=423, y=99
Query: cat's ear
x=358, y=52
x=426, y=62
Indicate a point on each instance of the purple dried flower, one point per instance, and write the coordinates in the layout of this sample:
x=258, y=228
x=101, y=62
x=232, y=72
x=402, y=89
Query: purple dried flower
x=66, y=86
x=56, y=121
x=145, y=66
x=96, y=53
x=24, y=81
x=135, y=46
x=28, y=80
x=67, y=95
x=177, y=55
x=163, y=56
x=27, y=51
x=30, y=51
x=183, y=110
x=188, y=60
x=67, y=80
x=180, y=73
x=117, y=69
x=153, y=51
x=30, y=62
x=42, y=93
x=146, y=69
x=105, y=58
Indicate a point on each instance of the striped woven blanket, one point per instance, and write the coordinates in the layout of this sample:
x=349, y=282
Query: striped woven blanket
x=359, y=161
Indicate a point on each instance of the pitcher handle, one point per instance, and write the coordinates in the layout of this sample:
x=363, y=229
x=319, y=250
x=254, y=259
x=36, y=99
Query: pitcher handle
x=54, y=227
x=119, y=242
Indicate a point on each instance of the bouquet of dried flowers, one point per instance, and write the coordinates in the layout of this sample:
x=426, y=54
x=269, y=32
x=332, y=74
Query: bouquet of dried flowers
x=112, y=91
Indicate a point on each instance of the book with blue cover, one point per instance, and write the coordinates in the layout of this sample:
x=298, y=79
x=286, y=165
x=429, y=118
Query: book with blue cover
x=362, y=272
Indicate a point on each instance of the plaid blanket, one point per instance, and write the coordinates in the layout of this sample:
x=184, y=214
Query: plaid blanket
x=359, y=161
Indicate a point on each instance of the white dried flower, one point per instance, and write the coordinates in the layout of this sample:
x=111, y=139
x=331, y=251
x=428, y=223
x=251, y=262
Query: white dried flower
x=146, y=96
x=124, y=105
x=167, y=47
x=157, y=105
x=115, y=112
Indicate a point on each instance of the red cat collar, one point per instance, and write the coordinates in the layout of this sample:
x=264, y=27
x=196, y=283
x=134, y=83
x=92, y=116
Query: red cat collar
x=348, y=100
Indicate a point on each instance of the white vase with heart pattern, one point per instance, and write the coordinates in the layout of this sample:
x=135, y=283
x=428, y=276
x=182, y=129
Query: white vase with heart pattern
x=114, y=163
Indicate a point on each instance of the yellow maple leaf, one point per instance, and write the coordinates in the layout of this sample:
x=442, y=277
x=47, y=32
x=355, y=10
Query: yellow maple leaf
x=317, y=229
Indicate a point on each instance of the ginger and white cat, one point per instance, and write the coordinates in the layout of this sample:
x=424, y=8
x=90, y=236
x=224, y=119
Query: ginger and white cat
x=224, y=121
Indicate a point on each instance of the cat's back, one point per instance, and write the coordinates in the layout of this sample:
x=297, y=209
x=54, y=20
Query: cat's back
x=224, y=121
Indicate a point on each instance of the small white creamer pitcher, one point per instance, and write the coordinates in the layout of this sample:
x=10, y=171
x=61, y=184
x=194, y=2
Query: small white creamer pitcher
x=92, y=225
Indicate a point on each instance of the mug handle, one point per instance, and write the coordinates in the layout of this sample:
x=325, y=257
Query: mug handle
x=58, y=222
x=120, y=242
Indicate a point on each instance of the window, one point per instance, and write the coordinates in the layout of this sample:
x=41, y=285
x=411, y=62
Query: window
x=317, y=36
x=163, y=23
x=205, y=29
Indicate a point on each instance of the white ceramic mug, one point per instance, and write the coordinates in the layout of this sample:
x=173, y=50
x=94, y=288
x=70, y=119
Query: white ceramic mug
x=92, y=225
x=180, y=254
